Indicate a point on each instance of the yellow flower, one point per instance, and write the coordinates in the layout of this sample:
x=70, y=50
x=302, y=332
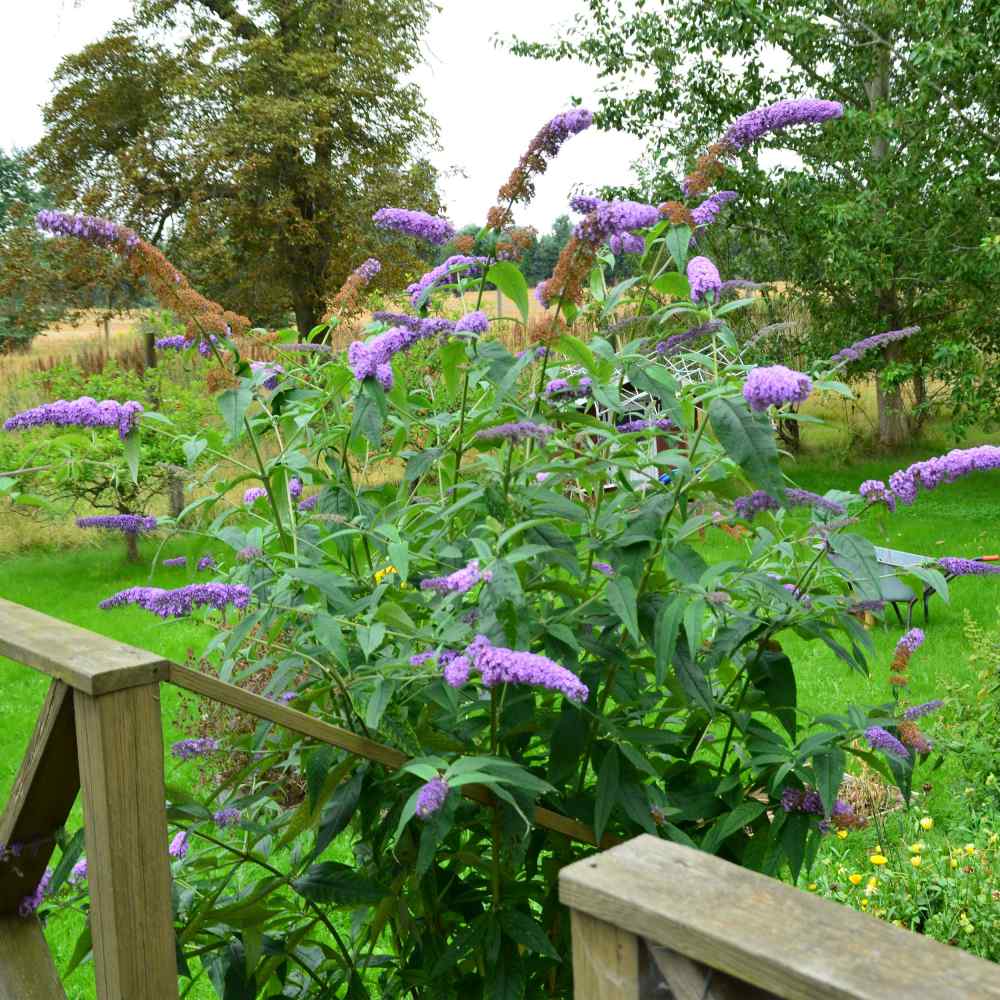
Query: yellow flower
x=871, y=886
x=854, y=879
x=842, y=834
x=970, y=848
x=877, y=849
x=811, y=886
x=953, y=863
x=380, y=574
x=878, y=859
x=926, y=823
x=917, y=848
x=915, y=860
x=864, y=903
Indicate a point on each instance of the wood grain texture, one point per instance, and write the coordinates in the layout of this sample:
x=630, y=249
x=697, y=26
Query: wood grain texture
x=82, y=659
x=307, y=725
x=40, y=801
x=684, y=979
x=121, y=765
x=763, y=932
x=605, y=960
x=26, y=968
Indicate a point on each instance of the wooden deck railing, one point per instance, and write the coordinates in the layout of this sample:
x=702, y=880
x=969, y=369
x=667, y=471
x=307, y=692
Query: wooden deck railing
x=652, y=919
x=100, y=729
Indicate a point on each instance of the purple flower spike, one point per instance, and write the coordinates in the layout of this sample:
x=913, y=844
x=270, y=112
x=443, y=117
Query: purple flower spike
x=80, y=872
x=180, y=602
x=473, y=322
x=875, y=491
x=309, y=504
x=226, y=818
x=919, y=711
x=967, y=567
x=784, y=114
x=613, y=220
x=635, y=426
x=176, y=561
x=930, y=474
x=176, y=343
x=522, y=430
x=705, y=214
x=858, y=349
x=252, y=495
x=678, y=340
x=206, y=562
x=703, y=276
x=189, y=749
x=179, y=845
x=881, y=739
x=605, y=568
x=432, y=797
x=499, y=665
x=459, y=582
x=269, y=373
x=447, y=273
x=368, y=270
x=101, y=232
x=419, y=224
x=29, y=904
x=560, y=388
x=82, y=412
x=128, y=524
x=747, y=507
x=911, y=641
x=250, y=552
x=775, y=386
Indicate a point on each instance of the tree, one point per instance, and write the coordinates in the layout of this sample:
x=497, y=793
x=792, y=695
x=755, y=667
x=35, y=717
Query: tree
x=898, y=194
x=257, y=139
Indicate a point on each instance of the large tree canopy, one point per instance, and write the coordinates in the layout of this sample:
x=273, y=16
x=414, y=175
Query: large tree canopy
x=256, y=139
x=878, y=223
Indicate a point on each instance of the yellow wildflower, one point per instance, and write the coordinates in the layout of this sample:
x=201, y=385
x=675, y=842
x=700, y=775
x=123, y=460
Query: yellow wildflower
x=381, y=574
x=970, y=848
x=917, y=848
x=811, y=886
x=872, y=885
x=926, y=823
x=842, y=834
x=878, y=859
x=953, y=863
x=864, y=903
x=854, y=879
x=916, y=860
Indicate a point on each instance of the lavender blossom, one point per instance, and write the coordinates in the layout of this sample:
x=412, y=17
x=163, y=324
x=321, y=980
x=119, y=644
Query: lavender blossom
x=456, y=669
x=560, y=388
x=911, y=641
x=431, y=228
x=499, y=665
x=373, y=360
x=177, y=342
x=268, y=372
x=755, y=124
x=80, y=872
x=749, y=506
x=419, y=659
x=943, y=469
x=611, y=219
x=635, y=426
x=862, y=347
x=179, y=845
x=369, y=269
x=307, y=347
x=803, y=598
x=252, y=495
x=198, y=747
x=308, y=504
x=881, y=739
x=128, y=524
x=432, y=797
x=622, y=243
x=82, y=412
x=774, y=386
x=101, y=232
x=585, y=203
x=206, y=562
x=521, y=430
x=250, y=552
x=473, y=322
x=226, y=818
x=447, y=273
x=459, y=582
x=706, y=213
x=180, y=602
x=678, y=340
x=295, y=487
x=605, y=568
x=176, y=561
x=919, y=711
x=875, y=491
x=967, y=567
x=703, y=277
x=29, y=904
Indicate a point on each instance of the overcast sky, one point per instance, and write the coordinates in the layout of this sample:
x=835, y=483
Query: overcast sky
x=488, y=103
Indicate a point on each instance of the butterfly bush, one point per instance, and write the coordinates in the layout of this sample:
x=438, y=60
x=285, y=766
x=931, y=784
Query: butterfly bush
x=82, y=412
x=419, y=224
x=610, y=673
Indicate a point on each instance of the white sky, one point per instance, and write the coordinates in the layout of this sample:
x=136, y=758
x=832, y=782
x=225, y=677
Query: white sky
x=488, y=103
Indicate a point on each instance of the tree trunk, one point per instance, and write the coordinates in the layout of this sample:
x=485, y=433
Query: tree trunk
x=132, y=547
x=175, y=490
x=149, y=349
x=308, y=310
x=107, y=331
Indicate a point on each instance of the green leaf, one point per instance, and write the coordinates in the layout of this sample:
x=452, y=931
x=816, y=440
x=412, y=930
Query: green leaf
x=452, y=354
x=678, y=240
x=509, y=279
x=577, y=351
x=673, y=283
x=233, y=405
x=524, y=930
x=131, y=448
x=622, y=597
x=418, y=464
x=692, y=678
x=607, y=791
x=772, y=674
x=318, y=764
x=82, y=948
x=668, y=622
x=328, y=632
x=399, y=556
x=749, y=441
x=70, y=856
x=829, y=770
x=192, y=450
x=793, y=835
x=332, y=882
x=339, y=810
x=370, y=410
x=385, y=687
x=724, y=827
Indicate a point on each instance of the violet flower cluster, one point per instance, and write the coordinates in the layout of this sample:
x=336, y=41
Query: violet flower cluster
x=252, y=495
x=177, y=342
x=919, y=711
x=179, y=846
x=180, y=602
x=911, y=641
x=308, y=504
x=101, y=232
x=473, y=322
x=635, y=426
x=499, y=665
x=448, y=273
x=954, y=566
x=250, y=552
x=82, y=412
x=560, y=388
x=189, y=749
x=521, y=430
x=79, y=872
x=747, y=507
x=606, y=569
x=369, y=270
x=875, y=491
x=610, y=220
x=704, y=279
x=431, y=228
x=881, y=739
x=374, y=359
x=226, y=818
x=176, y=561
x=678, y=340
x=127, y=524
x=861, y=347
x=459, y=582
x=775, y=385
x=269, y=373
x=754, y=124
x=943, y=469
x=29, y=904
x=706, y=213
x=432, y=797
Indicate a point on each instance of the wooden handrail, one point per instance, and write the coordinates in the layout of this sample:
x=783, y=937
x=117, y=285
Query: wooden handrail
x=692, y=914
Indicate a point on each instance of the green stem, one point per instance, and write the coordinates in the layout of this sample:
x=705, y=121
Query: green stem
x=732, y=726
x=267, y=483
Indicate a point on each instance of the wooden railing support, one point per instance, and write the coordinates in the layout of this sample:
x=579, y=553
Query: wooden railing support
x=26, y=968
x=121, y=766
x=670, y=922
